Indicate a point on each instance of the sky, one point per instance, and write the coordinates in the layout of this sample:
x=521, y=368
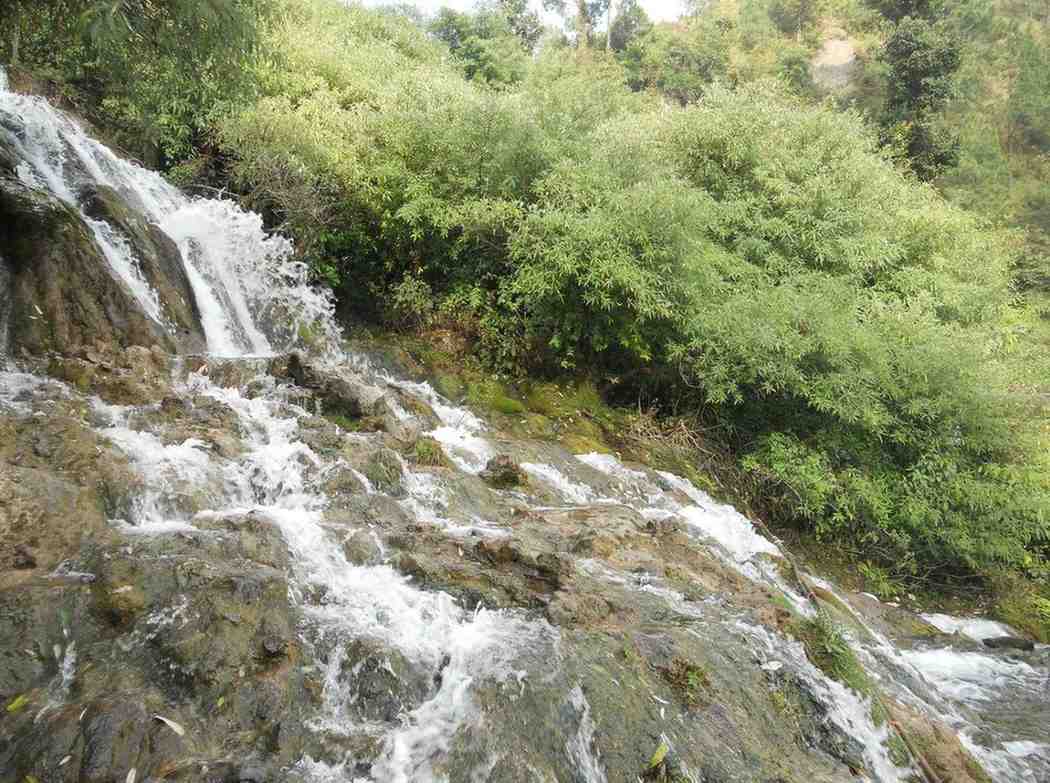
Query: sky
x=658, y=10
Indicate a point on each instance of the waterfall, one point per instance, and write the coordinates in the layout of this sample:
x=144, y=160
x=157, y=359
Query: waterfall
x=254, y=299
x=252, y=295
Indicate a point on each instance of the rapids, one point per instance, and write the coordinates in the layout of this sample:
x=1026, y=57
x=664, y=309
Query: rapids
x=456, y=669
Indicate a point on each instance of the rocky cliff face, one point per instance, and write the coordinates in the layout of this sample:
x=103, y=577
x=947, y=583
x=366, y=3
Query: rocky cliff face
x=315, y=568
x=59, y=289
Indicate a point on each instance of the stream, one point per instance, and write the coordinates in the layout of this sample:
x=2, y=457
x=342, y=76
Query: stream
x=457, y=674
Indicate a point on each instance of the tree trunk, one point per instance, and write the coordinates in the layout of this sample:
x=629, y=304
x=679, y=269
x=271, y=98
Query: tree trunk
x=608, y=27
x=16, y=36
x=583, y=25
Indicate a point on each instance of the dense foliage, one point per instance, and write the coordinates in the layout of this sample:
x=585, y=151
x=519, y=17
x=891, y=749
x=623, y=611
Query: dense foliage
x=155, y=74
x=712, y=237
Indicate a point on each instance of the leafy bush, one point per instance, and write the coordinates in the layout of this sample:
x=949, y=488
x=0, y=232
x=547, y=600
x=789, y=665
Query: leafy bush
x=747, y=254
x=157, y=75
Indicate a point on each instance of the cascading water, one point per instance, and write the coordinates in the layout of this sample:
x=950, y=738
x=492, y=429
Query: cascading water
x=252, y=299
x=250, y=294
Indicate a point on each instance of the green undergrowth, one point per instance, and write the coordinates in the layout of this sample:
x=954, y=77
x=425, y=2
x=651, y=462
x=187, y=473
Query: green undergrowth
x=828, y=649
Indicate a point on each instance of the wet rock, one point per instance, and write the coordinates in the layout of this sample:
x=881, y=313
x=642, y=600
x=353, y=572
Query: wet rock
x=502, y=472
x=383, y=468
x=360, y=545
x=23, y=557
x=339, y=395
x=159, y=260
x=545, y=570
x=114, y=733
x=122, y=603
x=340, y=481
x=62, y=292
x=133, y=376
x=402, y=430
x=379, y=682
x=276, y=636
x=321, y=435
x=1009, y=643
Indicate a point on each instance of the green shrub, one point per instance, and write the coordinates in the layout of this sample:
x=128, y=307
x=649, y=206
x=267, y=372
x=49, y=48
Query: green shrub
x=748, y=254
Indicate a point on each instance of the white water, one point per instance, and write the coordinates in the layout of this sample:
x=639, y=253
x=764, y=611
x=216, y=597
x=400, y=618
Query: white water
x=976, y=628
x=243, y=279
x=253, y=299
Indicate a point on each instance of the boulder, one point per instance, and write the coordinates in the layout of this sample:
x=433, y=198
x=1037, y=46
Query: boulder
x=1009, y=643
x=502, y=472
x=62, y=294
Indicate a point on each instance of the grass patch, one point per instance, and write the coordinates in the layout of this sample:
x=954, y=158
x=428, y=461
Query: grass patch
x=828, y=650
x=427, y=451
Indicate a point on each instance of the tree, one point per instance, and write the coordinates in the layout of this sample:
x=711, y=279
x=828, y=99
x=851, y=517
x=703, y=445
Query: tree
x=895, y=10
x=631, y=22
x=484, y=43
x=156, y=68
x=524, y=23
x=794, y=16
x=923, y=58
x=679, y=61
x=585, y=15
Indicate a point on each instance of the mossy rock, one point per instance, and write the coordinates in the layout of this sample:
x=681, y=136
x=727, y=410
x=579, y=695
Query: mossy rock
x=828, y=650
x=383, y=469
x=1024, y=606
x=488, y=393
x=502, y=472
x=427, y=451
x=449, y=386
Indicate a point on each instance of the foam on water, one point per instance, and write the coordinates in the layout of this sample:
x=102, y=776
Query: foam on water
x=977, y=628
x=972, y=676
x=580, y=746
x=571, y=491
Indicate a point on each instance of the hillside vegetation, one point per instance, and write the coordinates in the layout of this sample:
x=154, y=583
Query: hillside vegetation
x=681, y=218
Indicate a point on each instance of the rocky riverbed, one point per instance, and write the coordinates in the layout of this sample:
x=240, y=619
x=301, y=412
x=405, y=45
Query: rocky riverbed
x=233, y=549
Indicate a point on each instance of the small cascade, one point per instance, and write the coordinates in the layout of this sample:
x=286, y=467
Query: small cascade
x=252, y=296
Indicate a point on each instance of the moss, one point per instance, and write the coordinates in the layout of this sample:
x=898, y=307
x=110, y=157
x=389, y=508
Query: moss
x=583, y=444
x=449, y=386
x=427, y=451
x=307, y=335
x=489, y=393
x=343, y=422
x=689, y=680
x=1023, y=605
x=780, y=702
x=828, y=650
x=507, y=405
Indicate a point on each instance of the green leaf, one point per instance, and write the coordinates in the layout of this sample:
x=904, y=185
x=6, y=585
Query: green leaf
x=659, y=755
